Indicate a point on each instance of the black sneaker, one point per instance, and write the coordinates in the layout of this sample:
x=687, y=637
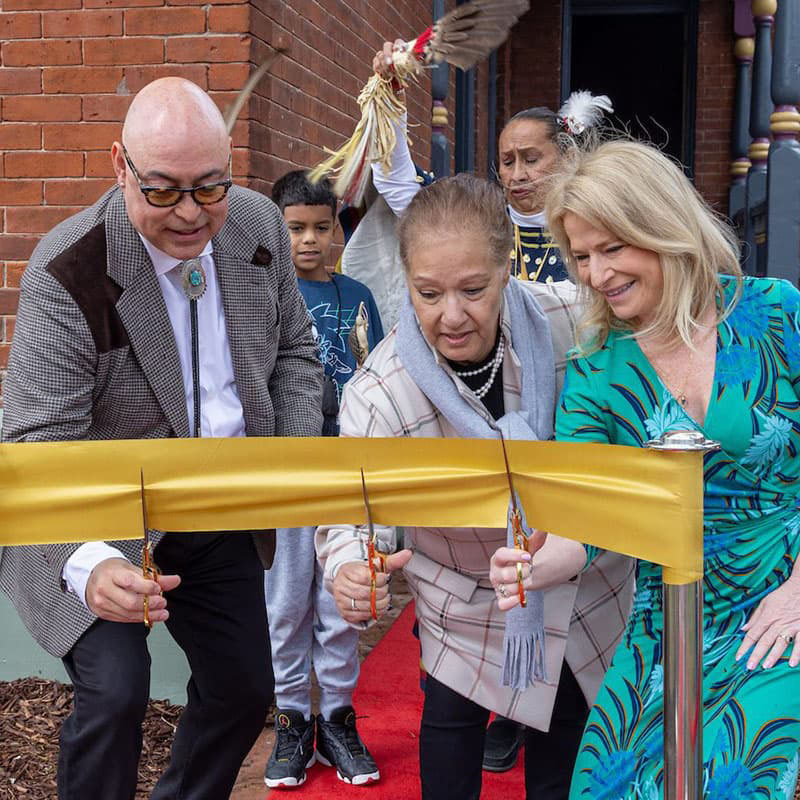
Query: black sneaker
x=503, y=740
x=293, y=752
x=340, y=746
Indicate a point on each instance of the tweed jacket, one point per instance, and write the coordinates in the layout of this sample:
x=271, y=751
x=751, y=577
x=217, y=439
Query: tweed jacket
x=461, y=628
x=94, y=357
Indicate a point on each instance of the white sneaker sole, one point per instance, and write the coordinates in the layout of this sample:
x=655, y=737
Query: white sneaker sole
x=290, y=782
x=357, y=780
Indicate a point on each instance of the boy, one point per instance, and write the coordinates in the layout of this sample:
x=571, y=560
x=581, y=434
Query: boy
x=305, y=625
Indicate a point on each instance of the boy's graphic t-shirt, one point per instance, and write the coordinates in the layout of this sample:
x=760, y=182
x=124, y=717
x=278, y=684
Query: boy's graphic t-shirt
x=325, y=300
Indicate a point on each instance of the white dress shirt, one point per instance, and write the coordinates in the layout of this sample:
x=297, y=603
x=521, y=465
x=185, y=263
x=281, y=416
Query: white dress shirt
x=220, y=406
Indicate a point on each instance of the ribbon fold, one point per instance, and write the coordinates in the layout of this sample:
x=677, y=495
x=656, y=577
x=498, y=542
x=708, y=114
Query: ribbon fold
x=633, y=501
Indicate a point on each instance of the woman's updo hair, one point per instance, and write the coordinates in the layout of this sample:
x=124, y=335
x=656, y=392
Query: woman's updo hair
x=579, y=123
x=539, y=114
x=462, y=203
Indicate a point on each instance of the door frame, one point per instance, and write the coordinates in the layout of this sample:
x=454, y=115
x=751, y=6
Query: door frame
x=689, y=10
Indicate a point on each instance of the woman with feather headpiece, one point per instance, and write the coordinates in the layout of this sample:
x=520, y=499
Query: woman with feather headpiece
x=530, y=148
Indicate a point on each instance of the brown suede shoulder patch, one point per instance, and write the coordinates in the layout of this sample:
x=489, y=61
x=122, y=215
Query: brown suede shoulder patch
x=81, y=270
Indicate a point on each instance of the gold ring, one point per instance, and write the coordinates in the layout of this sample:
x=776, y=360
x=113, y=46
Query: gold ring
x=353, y=603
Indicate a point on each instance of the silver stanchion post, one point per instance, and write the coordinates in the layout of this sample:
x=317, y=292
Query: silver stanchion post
x=683, y=662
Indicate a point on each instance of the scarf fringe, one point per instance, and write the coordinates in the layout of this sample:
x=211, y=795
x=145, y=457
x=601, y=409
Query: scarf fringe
x=524, y=640
x=523, y=659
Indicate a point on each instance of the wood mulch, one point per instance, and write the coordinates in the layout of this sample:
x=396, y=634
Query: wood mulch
x=32, y=710
x=31, y=713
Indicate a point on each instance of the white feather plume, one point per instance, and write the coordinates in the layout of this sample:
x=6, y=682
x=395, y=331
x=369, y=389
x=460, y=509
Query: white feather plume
x=583, y=110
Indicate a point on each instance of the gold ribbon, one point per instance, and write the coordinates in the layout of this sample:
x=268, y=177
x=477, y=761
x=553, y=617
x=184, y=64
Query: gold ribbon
x=638, y=502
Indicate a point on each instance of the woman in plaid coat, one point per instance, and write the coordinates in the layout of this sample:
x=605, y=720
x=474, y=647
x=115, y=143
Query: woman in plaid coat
x=474, y=352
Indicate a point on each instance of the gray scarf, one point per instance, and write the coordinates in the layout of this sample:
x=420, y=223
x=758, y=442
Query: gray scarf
x=523, y=644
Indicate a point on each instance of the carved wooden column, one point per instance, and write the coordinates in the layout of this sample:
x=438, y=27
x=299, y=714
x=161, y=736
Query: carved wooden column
x=743, y=51
x=783, y=174
x=760, y=110
x=440, y=83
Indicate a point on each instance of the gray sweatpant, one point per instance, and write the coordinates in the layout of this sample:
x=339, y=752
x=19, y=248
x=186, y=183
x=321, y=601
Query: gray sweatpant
x=305, y=628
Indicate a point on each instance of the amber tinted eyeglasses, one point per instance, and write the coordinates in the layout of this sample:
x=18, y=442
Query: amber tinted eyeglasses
x=166, y=196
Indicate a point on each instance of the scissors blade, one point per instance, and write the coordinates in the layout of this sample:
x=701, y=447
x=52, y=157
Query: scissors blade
x=144, y=508
x=366, y=504
x=508, y=474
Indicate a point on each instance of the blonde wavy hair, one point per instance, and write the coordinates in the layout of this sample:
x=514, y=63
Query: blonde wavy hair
x=642, y=197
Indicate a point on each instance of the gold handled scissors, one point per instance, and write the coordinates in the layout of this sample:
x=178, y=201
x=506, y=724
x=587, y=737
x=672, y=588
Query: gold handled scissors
x=149, y=568
x=372, y=553
x=520, y=537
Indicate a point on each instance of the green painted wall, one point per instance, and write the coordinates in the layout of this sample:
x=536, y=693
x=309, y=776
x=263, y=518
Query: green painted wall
x=21, y=657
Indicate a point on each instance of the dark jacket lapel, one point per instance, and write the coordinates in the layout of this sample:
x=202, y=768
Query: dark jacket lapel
x=143, y=312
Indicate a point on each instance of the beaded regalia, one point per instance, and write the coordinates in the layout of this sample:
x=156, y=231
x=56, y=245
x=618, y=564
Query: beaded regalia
x=536, y=256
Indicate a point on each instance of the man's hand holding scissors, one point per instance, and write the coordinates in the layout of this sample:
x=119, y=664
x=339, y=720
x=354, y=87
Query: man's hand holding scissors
x=116, y=590
x=122, y=592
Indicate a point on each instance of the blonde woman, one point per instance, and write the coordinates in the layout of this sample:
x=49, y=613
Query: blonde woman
x=675, y=338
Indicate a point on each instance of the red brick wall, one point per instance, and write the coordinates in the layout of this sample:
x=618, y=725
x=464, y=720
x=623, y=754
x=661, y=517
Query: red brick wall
x=716, y=84
x=308, y=101
x=534, y=60
x=69, y=68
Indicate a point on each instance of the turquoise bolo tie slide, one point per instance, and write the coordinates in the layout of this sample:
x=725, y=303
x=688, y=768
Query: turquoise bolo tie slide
x=193, y=279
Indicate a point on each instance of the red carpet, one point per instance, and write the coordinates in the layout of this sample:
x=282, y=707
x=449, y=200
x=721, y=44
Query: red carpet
x=388, y=702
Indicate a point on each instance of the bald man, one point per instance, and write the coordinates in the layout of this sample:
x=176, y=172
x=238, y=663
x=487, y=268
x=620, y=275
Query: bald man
x=108, y=346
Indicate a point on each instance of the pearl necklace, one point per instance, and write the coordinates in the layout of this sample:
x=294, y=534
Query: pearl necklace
x=494, y=365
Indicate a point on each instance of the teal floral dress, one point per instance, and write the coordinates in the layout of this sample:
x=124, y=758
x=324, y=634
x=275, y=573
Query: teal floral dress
x=751, y=728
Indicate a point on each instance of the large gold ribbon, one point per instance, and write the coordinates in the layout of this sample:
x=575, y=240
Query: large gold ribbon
x=638, y=502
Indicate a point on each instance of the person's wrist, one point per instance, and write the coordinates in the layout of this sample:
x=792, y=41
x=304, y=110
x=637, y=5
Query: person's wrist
x=794, y=576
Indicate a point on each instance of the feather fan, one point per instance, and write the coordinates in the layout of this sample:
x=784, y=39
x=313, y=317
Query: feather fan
x=244, y=93
x=462, y=37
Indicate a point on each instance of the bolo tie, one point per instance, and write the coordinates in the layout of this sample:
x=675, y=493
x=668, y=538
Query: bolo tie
x=193, y=282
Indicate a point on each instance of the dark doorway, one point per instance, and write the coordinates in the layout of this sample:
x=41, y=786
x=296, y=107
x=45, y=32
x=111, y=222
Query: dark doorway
x=641, y=60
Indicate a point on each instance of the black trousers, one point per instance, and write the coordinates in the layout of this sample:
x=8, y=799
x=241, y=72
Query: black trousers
x=218, y=618
x=452, y=738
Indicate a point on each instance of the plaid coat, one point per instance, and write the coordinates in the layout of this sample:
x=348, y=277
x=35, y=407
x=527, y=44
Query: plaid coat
x=94, y=357
x=461, y=628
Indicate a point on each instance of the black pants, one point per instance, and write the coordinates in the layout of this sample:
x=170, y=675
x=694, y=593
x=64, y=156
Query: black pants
x=218, y=618
x=452, y=737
